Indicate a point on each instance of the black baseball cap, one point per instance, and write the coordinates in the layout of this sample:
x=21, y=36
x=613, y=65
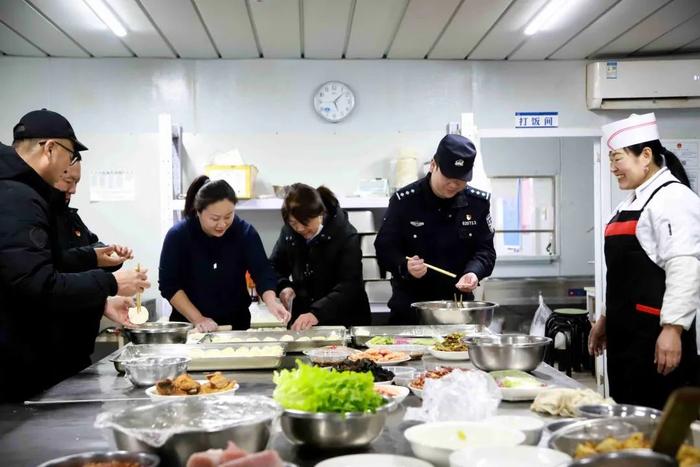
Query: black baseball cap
x=46, y=124
x=455, y=157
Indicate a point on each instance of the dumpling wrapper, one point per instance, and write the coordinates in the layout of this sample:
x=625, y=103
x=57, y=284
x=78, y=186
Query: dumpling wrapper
x=138, y=315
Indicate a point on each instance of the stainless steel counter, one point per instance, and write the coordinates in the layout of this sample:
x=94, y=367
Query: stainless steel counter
x=44, y=429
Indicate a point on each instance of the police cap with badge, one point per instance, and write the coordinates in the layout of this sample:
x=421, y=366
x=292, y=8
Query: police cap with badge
x=455, y=157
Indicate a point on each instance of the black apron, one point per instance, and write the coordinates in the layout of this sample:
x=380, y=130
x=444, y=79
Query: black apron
x=634, y=295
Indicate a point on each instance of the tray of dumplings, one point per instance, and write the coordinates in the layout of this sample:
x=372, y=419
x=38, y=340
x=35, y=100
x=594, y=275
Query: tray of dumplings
x=295, y=341
x=209, y=357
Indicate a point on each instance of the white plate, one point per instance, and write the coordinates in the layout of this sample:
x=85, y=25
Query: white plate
x=411, y=349
x=394, y=362
x=444, y=355
x=153, y=393
x=513, y=456
x=373, y=460
x=401, y=392
x=523, y=394
x=416, y=392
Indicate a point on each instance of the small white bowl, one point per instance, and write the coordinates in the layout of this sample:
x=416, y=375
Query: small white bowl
x=446, y=355
x=511, y=456
x=401, y=392
x=530, y=426
x=403, y=375
x=416, y=391
x=435, y=442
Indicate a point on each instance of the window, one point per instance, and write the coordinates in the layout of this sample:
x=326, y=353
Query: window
x=523, y=211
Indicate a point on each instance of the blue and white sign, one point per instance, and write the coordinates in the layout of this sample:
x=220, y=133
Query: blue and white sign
x=536, y=119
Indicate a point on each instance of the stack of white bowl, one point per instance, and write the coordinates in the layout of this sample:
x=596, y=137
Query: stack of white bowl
x=378, y=288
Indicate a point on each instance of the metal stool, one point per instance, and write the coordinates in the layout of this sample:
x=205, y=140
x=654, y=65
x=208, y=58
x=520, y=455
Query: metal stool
x=573, y=324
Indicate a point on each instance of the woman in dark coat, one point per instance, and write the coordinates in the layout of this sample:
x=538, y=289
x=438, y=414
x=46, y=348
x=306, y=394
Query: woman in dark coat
x=205, y=258
x=318, y=261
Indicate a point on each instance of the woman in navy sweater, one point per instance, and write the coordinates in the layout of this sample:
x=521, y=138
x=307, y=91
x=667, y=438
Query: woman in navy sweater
x=205, y=258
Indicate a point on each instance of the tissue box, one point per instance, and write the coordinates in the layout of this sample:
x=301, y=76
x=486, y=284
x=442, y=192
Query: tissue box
x=240, y=177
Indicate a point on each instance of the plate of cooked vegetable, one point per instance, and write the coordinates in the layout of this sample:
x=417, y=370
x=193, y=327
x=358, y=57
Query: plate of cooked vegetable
x=452, y=347
x=518, y=385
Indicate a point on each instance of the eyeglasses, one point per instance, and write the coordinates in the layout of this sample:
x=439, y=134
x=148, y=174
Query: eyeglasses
x=75, y=156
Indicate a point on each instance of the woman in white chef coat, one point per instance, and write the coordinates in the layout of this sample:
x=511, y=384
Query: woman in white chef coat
x=652, y=254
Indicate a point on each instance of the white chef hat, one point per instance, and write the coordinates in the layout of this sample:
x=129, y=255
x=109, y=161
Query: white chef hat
x=634, y=129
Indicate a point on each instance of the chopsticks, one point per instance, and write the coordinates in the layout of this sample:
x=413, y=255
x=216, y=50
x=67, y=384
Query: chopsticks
x=138, y=294
x=437, y=269
x=84, y=401
x=460, y=302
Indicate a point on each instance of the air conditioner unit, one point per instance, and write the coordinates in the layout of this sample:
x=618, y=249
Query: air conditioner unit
x=643, y=84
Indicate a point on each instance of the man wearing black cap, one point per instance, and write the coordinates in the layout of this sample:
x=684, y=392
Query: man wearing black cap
x=33, y=293
x=439, y=221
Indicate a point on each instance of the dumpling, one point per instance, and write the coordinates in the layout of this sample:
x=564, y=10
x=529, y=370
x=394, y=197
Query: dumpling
x=138, y=315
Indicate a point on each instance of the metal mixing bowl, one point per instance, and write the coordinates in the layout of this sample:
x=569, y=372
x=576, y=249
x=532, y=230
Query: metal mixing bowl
x=175, y=430
x=617, y=410
x=326, y=430
x=635, y=458
x=507, y=351
x=172, y=332
x=559, y=424
x=79, y=460
x=146, y=371
x=451, y=312
x=596, y=430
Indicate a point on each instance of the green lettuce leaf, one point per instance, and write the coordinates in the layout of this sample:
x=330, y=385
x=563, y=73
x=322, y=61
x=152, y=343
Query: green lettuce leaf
x=313, y=389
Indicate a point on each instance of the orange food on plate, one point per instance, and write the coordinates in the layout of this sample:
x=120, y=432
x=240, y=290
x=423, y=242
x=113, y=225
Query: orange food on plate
x=184, y=385
x=388, y=391
x=380, y=355
x=437, y=373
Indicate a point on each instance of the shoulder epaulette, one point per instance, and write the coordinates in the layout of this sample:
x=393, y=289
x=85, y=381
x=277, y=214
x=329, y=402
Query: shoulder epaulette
x=405, y=192
x=476, y=193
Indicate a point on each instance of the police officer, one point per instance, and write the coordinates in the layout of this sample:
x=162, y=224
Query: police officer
x=440, y=221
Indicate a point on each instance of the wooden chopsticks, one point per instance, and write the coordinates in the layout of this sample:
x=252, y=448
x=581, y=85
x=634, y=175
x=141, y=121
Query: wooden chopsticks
x=437, y=269
x=138, y=294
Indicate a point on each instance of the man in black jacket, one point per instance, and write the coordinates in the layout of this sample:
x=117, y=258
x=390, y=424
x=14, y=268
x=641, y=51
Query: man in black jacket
x=80, y=250
x=440, y=221
x=33, y=294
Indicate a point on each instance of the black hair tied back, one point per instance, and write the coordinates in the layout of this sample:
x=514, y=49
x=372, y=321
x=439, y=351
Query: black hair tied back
x=203, y=192
x=663, y=157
